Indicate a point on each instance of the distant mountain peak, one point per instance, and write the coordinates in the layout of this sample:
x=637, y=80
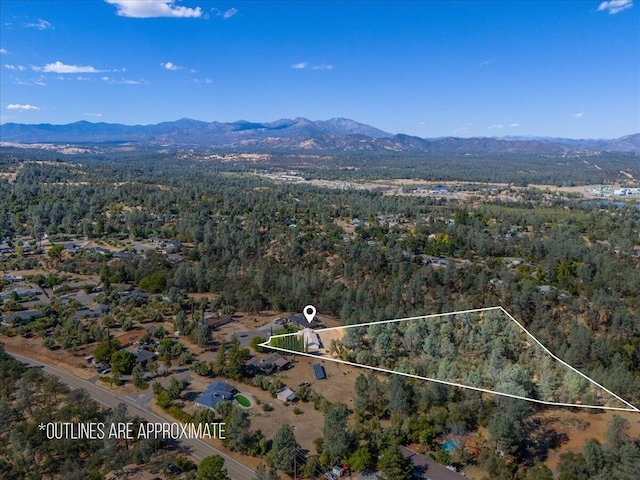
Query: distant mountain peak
x=337, y=134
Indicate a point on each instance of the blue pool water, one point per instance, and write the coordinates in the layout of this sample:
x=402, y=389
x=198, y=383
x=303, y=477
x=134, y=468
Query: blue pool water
x=449, y=445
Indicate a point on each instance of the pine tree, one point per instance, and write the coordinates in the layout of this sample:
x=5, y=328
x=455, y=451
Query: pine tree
x=283, y=449
x=394, y=465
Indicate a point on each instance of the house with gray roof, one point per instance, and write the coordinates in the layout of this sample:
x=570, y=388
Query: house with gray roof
x=215, y=393
x=23, y=316
x=20, y=292
x=95, y=312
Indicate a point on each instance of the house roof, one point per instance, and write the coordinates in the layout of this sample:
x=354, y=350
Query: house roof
x=222, y=320
x=222, y=388
x=144, y=355
x=311, y=339
x=209, y=400
x=21, y=292
x=25, y=316
x=300, y=320
x=281, y=362
x=215, y=393
x=101, y=309
x=425, y=462
x=266, y=363
x=286, y=395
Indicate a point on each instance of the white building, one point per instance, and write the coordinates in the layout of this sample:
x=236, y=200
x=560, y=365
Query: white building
x=311, y=340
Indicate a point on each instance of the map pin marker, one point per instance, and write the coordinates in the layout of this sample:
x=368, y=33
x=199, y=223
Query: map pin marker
x=309, y=312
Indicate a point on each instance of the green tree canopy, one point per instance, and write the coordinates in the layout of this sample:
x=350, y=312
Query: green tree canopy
x=212, y=468
x=394, y=465
x=283, y=449
x=122, y=362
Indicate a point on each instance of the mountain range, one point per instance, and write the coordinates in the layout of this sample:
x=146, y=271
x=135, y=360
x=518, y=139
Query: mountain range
x=301, y=134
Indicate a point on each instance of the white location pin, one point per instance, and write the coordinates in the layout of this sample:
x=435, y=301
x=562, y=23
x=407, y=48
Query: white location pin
x=309, y=312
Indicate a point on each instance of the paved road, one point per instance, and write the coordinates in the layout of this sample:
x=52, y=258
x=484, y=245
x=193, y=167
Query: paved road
x=136, y=406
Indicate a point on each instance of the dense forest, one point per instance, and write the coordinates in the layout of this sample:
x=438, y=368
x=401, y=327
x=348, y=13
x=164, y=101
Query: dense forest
x=565, y=268
x=482, y=349
x=517, y=169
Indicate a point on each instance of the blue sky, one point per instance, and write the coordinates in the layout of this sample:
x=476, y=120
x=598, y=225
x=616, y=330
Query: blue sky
x=426, y=68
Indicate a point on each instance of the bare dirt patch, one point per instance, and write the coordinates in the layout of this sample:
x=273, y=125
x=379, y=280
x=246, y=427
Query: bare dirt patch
x=337, y=387
x=30, y=347
x=577, y=427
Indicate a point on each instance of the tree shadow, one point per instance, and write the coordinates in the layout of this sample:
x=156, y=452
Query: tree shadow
x=544, y=439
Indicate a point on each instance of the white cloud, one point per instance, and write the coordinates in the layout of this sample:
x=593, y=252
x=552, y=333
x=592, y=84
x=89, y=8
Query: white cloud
x=495, y=126
x=226, y=14
x=578, y=115
x=229, y=13
x=17, y=106
x=15, y=67
x=59, y=67
x=615, y=6
x=3, y=51
x=485, y=63
x=39, y=83
x=303, y=65
x=93, y=114
x=123, y=81
x=170, y=66
x=322, y=67
x=153, y=8
x=206, y=80
x=40, y=25
x=514, y=125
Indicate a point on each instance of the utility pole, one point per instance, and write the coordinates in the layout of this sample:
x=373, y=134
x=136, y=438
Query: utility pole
x=295, y=465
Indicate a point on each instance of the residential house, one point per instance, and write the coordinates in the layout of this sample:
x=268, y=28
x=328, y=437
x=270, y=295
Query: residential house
x=143, y=356
x=23, y=316
x=218, y=322
x=426, y=467
x=171, y=246
x=100, y=250
x=6, y=248
x=21, y=292
x=267, y=365
x=215, y=393
x=300, y=320
x=95, y=312
x=13, y=278
x=125, y=254
x=133, y=294
x=311, y=340
x=71, y=248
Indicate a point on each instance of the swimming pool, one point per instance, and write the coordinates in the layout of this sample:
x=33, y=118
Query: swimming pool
x=449, y=445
